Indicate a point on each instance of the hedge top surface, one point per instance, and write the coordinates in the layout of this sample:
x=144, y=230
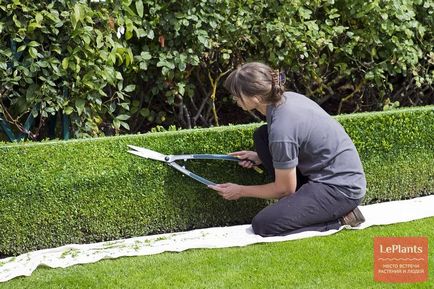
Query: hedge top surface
x=341, y=118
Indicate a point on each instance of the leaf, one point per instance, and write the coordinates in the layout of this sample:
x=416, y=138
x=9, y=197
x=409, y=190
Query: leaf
x=129, y=29
x=77, y=12
x=139, y=8
x=182, y=66
x=86, y=39
x=33, y=44
x=181, y=88
x=112, y=107
x=33, y=52
x=65, y=63
x=116, y=123
x=140, y=32
x=195, y=60
x=112, y=57
x=123, y=117
x=32, y=26
x=143, y=66
x=145, y=55
x=16, y=21
x=151, y=34
x=79, y=104
x=125, y=105
x=89, y=84
x=202, y=40
x=125, y=125
x=21, y=48
x=120, y=87
x=129, y=57
x=99, y=41
x=76, y=16
x=130, y=88
x=50, y=110
x=51, y=83
x=119, y=75
x=68, y=110
x=39, y=17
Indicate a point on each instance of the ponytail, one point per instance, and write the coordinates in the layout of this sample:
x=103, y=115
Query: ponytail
x=277, y=86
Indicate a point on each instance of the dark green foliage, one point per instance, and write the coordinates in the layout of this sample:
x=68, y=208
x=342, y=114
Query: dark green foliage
x=120, y=77
x=54, y=193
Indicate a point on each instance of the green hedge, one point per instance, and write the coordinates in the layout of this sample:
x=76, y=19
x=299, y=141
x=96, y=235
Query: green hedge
x=397, y=151
x=79, y=191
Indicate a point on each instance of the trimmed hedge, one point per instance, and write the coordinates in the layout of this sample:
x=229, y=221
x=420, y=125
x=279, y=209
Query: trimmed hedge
x=81, y=191
x=397, y=151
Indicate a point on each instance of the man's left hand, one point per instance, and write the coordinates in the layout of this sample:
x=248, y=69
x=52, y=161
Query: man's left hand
x=228, y=191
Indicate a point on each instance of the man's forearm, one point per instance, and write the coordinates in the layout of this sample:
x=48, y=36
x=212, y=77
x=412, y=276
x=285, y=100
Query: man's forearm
x=267, y=191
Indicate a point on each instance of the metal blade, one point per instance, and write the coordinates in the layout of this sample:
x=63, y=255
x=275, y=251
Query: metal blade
x=147, y=153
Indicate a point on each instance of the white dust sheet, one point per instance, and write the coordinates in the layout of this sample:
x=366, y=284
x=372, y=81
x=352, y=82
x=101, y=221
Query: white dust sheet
x=218, y=237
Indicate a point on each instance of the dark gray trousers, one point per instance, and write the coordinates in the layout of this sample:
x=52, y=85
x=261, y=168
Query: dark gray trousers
x=313, y=207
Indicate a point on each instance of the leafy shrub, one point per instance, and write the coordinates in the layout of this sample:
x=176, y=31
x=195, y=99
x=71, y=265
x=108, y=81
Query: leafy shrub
x=54, y=193
x=119, y=66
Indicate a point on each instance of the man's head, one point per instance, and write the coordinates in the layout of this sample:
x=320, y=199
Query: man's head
x=254, y=83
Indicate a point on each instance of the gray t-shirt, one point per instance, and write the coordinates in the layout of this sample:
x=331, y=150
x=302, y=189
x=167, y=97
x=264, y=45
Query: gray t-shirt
x=301, y=134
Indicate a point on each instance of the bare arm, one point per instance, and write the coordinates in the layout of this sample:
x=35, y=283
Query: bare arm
x=284, y=184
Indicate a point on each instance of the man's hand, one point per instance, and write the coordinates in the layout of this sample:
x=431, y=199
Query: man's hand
x=284, y=185
x=228, y=191
x=248, y=159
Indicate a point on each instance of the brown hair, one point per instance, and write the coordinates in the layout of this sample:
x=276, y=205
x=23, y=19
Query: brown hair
x=255, y=79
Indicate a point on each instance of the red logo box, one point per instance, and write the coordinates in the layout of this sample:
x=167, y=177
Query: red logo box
x=401, y=259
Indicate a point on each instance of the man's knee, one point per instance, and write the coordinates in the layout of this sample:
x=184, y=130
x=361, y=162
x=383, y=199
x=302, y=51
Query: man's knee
x=261, y=225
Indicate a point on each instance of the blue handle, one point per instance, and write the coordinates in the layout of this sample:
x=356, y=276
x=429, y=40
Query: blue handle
x=215, y=157
x=201, y=180
x=191, y=175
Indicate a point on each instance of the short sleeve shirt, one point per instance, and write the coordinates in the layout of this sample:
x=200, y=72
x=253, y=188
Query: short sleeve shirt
x=301, y=134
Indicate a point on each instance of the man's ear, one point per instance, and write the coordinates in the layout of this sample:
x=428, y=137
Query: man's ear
x=258, y=99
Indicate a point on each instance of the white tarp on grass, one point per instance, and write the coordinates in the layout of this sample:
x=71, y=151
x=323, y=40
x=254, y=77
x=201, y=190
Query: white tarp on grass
x=220, y=237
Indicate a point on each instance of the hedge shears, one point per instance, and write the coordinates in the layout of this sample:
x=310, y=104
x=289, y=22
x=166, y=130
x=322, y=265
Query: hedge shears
x=171, y=160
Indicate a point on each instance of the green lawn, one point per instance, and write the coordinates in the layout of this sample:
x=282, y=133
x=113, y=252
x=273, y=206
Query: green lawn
x=343, y=260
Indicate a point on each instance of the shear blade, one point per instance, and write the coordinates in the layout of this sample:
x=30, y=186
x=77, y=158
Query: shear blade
x=147, y=153
x=137, y=153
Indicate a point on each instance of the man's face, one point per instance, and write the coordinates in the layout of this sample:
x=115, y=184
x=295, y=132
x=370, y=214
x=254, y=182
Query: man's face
x=247, y=103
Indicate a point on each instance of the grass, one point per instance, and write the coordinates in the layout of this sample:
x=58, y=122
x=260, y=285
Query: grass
x=343, y=260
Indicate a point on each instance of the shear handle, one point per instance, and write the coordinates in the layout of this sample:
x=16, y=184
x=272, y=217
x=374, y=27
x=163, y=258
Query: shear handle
x=173, y=158
x=191, y=175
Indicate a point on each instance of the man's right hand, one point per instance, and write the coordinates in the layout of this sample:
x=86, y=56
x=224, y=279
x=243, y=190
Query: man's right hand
x=248, y=159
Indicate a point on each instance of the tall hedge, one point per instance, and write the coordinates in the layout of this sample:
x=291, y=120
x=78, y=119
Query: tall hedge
x=127, y=66
x=54, y=193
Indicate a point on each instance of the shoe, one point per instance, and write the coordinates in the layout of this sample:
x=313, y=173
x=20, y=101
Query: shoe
x=353, y=218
